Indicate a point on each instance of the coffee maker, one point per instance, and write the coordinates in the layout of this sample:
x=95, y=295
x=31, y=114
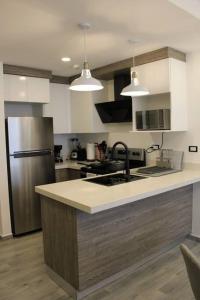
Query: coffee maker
x=57, y=155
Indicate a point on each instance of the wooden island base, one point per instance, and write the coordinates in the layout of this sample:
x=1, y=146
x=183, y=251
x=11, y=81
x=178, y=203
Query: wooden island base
x=84, y=251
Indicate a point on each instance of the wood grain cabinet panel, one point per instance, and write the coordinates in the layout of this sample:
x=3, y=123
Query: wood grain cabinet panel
x=88, y=250
x=67, y=174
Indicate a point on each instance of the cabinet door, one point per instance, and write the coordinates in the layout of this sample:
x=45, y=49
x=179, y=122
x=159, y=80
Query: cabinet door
x=74, y=174
x=59, y=108
x=38, y=89
x=62, y=175
x=15, y=88
x=154, y=76
x=84, y=116
x=81, y=112
x=67, y=174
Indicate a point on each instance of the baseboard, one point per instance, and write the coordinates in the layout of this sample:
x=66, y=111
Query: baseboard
x=6, y=236
x=194, y=238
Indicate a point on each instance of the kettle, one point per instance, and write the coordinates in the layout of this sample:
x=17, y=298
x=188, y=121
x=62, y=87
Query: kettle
x=90, y=151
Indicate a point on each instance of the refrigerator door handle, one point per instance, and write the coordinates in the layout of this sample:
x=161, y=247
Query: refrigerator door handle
x=19, y=154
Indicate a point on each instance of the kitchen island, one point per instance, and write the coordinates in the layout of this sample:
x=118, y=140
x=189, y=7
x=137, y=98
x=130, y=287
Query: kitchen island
x=95, y=234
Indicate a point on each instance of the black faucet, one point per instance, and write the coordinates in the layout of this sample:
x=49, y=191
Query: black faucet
x=127, y=168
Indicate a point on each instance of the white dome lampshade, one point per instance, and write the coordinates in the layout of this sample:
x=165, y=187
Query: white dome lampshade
x=134, y=89
x=86, y=82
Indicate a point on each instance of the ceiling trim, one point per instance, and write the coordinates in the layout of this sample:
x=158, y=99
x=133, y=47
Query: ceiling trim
x=159, y=54
x=59, y=79
x=26, y=71
x=107, y=72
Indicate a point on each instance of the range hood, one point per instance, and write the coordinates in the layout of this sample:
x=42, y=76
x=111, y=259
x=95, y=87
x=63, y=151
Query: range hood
x=119, y=110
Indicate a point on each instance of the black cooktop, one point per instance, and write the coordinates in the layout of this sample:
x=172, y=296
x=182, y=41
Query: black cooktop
x=104, y=167
x=114, y=179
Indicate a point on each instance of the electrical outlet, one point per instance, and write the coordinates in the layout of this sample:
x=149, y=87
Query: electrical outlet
x=155, y=147
x=193, y=148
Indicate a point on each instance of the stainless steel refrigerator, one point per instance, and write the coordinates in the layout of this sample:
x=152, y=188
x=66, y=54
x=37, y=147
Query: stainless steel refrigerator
x=30, y=163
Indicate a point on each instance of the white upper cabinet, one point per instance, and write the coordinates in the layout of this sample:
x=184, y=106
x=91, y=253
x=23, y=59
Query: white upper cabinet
x=167, y=79
x=26, y=89
x=15, y=88
x=38, y=89
x=84, y=116
x=59, y=108
x=81, y=112
x=155, y=76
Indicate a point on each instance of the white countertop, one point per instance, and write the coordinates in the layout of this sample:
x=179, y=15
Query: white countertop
x=68, y=164
x=93, y=198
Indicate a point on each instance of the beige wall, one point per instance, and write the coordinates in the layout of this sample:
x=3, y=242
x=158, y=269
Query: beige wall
x=5, y=227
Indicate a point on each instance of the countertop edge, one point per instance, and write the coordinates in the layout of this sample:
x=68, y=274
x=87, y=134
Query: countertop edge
x=117, y=203
x=63, y=200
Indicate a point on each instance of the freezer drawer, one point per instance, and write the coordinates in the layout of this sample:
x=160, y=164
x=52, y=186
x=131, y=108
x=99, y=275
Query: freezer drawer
x=27, y=171
x=29, y=133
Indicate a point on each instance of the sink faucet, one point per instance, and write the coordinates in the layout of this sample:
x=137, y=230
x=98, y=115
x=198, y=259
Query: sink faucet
x=127, y=168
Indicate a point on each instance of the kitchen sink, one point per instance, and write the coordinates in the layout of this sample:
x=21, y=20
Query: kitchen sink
x=114, y=179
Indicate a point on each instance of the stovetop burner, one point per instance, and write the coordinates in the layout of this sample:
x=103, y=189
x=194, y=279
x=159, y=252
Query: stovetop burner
x=136, y=160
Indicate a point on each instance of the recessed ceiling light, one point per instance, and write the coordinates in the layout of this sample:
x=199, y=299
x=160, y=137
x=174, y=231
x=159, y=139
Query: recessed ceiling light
x=22, y=77
x=76, y=66
x=66, y=59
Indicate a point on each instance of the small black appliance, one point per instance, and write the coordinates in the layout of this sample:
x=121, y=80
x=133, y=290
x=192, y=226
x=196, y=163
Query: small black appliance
x=57, y=155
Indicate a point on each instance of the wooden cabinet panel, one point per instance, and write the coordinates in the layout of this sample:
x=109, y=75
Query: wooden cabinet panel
x=87, y=250
x=67, y=174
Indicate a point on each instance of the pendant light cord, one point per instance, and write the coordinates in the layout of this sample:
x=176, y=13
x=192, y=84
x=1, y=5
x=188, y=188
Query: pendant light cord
x=84, y=45
x=131, y=42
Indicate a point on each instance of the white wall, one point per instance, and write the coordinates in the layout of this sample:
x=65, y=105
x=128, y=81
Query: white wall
x=192, y=136
x=5, y=226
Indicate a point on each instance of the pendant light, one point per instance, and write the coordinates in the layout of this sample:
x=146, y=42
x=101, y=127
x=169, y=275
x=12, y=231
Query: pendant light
x=134, y=89
x=85, y=82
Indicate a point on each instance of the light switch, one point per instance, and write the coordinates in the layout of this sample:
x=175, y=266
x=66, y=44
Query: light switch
x=193, y=148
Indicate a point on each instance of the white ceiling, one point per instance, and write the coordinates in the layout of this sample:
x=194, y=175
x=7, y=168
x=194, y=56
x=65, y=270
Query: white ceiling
x=37, y=33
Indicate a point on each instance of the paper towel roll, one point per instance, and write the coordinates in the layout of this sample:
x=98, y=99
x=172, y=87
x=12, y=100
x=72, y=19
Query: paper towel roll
x=90, y=151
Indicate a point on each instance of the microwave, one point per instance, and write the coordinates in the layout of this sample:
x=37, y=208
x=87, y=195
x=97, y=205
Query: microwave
x=158, y=119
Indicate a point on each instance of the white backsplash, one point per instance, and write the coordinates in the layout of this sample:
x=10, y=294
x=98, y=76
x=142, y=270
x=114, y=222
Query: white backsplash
x=64, y=140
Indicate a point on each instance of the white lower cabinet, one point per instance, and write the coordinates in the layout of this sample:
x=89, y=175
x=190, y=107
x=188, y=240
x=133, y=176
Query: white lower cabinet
x=59, y=108
x=26, y=89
